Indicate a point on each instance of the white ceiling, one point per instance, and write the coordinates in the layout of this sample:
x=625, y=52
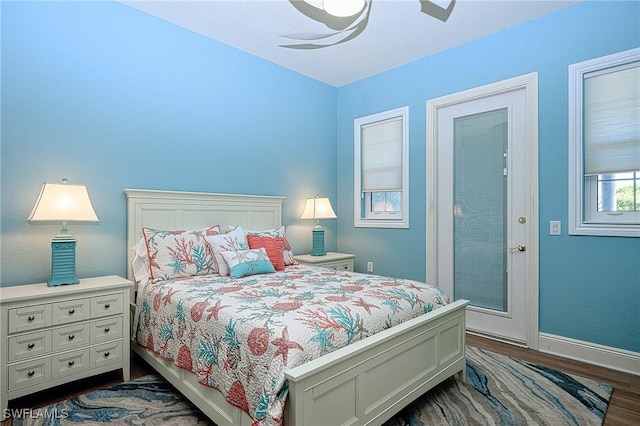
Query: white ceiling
x=397, y=32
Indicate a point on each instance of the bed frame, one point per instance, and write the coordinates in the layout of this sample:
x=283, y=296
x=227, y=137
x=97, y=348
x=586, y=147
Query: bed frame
x=364, y=383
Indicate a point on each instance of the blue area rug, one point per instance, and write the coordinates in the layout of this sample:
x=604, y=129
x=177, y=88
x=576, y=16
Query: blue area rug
x=499, y=391
x=148, y=400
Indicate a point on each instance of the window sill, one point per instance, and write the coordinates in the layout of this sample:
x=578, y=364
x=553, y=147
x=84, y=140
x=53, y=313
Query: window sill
x=381, y=223
x=601, y=230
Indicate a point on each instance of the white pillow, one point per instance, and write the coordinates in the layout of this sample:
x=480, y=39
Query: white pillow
x=140, y=263
x=233, y=240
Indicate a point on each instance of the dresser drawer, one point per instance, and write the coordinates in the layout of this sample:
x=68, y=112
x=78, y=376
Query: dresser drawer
x=70, y=336
x=29, y=345
x=110, y=304
x=29, y=373
x=29, y=318
x=69, y=363
x=105, y=354
x=106, y=329
x=338, y=266
x=71, y=311
x=332, y=260
x=343, y=266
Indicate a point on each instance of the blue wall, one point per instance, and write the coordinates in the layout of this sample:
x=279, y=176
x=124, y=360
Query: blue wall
x=589, y=286
x=105, y=95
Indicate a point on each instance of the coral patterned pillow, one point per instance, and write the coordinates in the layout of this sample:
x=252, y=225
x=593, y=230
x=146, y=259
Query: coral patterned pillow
x=247, y=262
x=233, y=240
x=273, y=246
x=179, y=254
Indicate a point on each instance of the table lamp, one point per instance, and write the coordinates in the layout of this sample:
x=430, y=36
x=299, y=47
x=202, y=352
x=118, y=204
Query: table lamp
x=63, y=202
x=318, y=208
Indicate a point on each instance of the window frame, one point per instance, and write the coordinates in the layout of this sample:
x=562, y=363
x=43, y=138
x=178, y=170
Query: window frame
x=361, y=201
x=370, y=214
x=582, y=204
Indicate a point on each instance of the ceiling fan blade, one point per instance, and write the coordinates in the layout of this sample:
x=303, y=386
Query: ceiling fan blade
x=308, y=36
x=319, y=15
x=358, y=24
x=345, y=35
x=438, y=12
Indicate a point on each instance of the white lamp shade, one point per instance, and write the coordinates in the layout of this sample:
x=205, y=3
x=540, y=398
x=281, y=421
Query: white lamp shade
x=318, y=208
x=342, y=8
x=63, y=202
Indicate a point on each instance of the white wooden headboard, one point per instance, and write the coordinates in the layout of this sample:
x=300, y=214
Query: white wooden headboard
x=177, y=210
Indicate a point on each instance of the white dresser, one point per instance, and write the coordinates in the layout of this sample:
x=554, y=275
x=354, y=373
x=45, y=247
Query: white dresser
x=55, y=335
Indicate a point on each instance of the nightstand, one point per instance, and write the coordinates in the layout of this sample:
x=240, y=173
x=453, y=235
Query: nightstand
x=332, y=260
x=55, y=335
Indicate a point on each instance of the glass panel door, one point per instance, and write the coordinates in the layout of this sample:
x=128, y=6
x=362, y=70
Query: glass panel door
x=484, y=209
x=480, y=215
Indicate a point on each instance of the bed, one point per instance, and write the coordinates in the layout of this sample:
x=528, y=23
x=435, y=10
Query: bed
x=366, y=382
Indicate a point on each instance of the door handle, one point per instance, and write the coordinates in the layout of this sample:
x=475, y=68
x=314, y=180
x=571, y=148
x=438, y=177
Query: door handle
x=519, y=247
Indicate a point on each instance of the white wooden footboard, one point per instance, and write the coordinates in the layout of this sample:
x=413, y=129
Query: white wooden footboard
x=364, y=383
x=371, y=380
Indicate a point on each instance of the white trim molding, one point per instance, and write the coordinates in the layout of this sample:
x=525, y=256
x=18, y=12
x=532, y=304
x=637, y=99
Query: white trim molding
x=599, y=224
x=592, y=353
x=361, y=218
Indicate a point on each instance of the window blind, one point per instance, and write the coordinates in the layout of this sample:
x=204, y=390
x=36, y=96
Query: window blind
x=612, y=120
x=381, y=153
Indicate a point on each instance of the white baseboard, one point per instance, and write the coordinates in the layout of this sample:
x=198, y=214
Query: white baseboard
x=605, y=356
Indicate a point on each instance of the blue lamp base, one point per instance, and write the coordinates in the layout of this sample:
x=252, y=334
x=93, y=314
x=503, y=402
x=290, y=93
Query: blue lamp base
x=318, y=242
x=63, y=261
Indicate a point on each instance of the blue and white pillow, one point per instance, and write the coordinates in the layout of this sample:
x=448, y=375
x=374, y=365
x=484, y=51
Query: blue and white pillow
x=248, y=262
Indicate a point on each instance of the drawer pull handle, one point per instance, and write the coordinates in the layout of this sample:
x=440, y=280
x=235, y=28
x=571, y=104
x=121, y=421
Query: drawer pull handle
x=31, y=373
x=31, y=345
x=106, y=354
x=72, y=311
x=107, y=305
x=71, y=363
x=71, y=337
x=106, y=329
x=31, y=318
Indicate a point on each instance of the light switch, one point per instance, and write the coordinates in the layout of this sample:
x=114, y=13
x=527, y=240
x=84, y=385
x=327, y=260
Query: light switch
x=555, y=227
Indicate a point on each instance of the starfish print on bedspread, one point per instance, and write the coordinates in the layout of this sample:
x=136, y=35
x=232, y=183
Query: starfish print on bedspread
x=367, y=306
x=214, y=310
x=166, y=299
x=284, y=345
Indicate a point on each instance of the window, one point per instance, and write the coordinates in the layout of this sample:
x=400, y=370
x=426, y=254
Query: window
x=604, y=143
x=381, y=170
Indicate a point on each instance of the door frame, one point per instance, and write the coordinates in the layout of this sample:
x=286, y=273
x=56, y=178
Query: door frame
x=528, y=83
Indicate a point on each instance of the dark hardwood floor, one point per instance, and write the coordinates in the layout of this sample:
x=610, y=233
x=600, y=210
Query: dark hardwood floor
x=624, y=407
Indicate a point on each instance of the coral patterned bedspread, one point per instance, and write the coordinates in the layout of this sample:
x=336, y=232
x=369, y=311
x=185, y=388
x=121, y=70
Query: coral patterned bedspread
x=240, y=335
